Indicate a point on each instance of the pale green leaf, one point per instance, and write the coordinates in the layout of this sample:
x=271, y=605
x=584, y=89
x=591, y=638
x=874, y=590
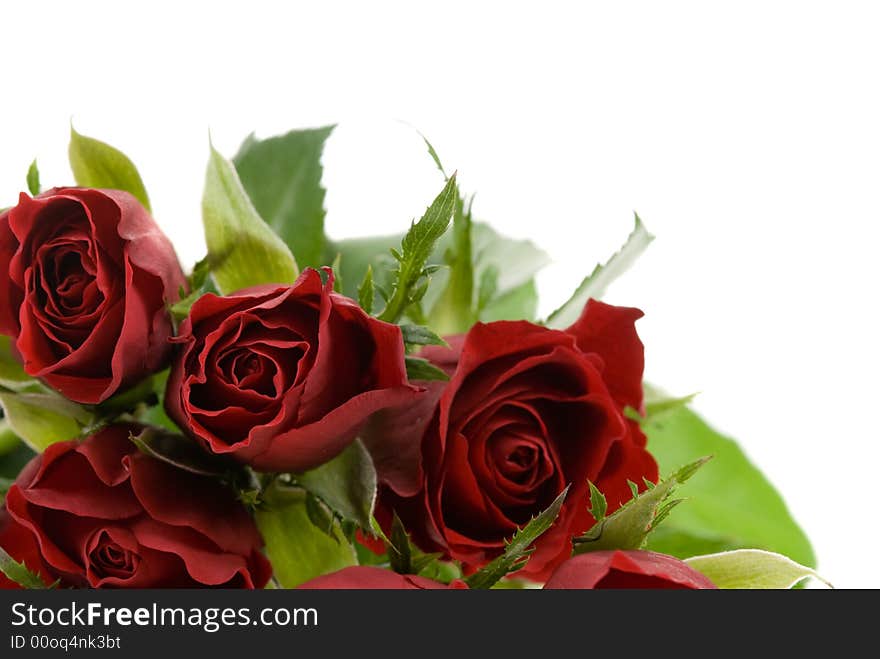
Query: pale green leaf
x=33, y=179
x=752, y=569
x=298, y=550
x=731, y=504
x=43, y=419
x=366, y=291
x=99, y=165
x=594, y=285
x=242, y=249
x=454, y=312
x=12, y=375
x=347, y=484
x=282, y=177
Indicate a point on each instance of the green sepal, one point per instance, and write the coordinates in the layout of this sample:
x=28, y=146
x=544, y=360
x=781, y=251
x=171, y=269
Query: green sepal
x=628, y=527
x=517, y=551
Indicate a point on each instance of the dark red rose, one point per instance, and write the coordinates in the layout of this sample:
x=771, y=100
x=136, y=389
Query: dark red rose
x=626, y=569
x=527, y=411
x=90, y=274
x=283, y=377
x=365, y=577
x=100, y=513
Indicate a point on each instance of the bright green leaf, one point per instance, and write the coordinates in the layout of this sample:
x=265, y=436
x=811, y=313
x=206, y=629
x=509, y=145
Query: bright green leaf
x=18, y=572
x=43, y=419
x=730, y=503
x=421, y=369
x=594, y=285
x=298, y=550
x=99, y=165
x=33, y=179
x=751, y=569
x=628, y=526
x=347, y=484
x=518, y=549
x=243, y=250
x=282, y=176
x=415, y=248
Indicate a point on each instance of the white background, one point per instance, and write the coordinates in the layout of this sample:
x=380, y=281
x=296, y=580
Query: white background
x=746, y=134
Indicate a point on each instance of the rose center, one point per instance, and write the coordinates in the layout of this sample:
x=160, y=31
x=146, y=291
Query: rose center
x=110, y=559
x=67, y=280
x=517, y=457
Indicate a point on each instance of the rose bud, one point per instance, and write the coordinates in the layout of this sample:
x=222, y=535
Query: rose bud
x=89, y=276
x=626, y=569
x=365, y=577
x=528, y=411
x=283, y=377
x=101, y=514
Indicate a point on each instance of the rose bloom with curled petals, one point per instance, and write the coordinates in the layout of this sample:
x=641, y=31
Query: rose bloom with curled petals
x=89, y=277
x=101, y=514
x=626, y=569
x=283, y=377
x=527, y=411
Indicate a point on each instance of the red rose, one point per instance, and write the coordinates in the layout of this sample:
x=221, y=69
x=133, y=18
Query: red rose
x=99, y=513
x=527, y=411
x=365, y=577
x=90, y=274
x=283, y=377
x=626, y=569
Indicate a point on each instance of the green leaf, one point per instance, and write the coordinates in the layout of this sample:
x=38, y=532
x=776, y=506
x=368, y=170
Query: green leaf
x=454, y=312
x=518, y=549
x=752, y=568
x=321, y=516
x=347, y=484
x=99, y=165
x=520, y=303
x=421, y=369
x=366, y=291
x=282, y=176
x=12, y=375
x=419, y=335
x=730, y=503
x=658, y=406
x=43, y=419
x=415, y=248
x=33, y=179
x=299, y=550
x=399, y=548
x=628, y=527
x=337, y=273
x=243, y=251
x=19, y=573
x=594, y=285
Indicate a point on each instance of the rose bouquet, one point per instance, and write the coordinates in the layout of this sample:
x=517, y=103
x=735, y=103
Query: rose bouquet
x=369, y=413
